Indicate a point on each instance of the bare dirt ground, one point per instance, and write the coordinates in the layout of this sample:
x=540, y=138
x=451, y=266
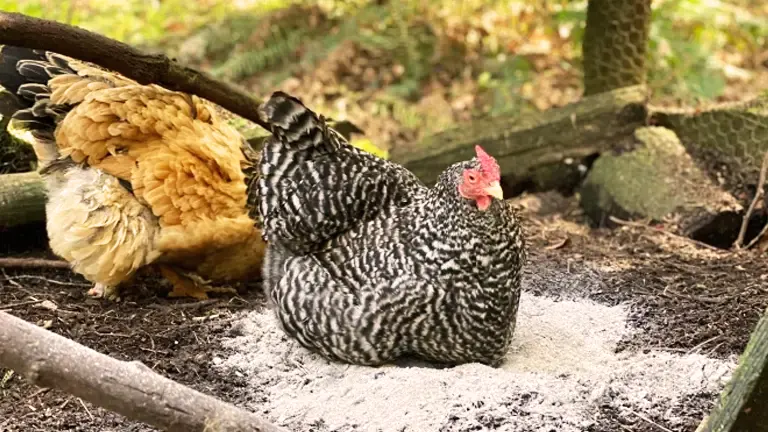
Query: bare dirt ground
x=683, y=297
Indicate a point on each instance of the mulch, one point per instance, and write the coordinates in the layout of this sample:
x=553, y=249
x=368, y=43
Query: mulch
x=683, y=298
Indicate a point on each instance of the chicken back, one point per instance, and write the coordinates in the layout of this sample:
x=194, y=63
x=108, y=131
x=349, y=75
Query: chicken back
x=366, y=265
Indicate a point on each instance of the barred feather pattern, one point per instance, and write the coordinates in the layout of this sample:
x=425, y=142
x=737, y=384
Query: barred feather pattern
x=427, y=274
x=314, y=185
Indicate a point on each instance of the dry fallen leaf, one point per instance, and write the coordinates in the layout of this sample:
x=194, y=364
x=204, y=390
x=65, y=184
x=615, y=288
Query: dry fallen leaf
x=562, y=243
x=47, y=304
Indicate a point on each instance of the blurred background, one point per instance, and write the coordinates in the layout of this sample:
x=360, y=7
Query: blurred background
x=402, y=70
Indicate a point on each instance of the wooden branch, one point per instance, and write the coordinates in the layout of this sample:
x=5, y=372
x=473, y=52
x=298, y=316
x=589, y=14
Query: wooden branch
x=524, y=145
x=22, y=199
x=741, y=406
x=23, y=31
x=129, y=388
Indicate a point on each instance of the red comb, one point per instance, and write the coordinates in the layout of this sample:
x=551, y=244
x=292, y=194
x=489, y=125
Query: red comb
x=488, y=164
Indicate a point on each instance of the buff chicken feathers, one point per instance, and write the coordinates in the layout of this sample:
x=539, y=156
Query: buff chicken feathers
x=137, y=176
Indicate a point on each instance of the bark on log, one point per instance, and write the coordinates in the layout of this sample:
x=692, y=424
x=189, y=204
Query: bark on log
x=525, y=144
x=128, y=388
x=22, y=199
x=741, y=406
x=23, y=31
x=659, y=180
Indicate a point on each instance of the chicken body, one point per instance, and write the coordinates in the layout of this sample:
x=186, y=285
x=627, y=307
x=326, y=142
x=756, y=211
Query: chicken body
x=137, y=175
x=365, y=264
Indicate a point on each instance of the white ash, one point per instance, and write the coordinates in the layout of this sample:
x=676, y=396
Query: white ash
x=560, y=370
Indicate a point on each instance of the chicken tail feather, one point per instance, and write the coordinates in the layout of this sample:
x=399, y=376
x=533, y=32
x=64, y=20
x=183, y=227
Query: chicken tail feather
x=25, y=73
x=296, y=126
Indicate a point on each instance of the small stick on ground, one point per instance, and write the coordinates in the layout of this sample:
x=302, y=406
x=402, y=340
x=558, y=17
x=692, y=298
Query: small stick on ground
x=32, y=263
x=86, y=408
x=20, y=304
x=704, y=299
x=739, y=243
x=649, y=421
x=663, y=231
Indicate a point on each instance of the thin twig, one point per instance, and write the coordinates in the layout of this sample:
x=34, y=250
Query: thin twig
x=701, y=345
x=86, y=408
x=663, y=231
x=759, y=236
x=37, y=393
x=51, y=281
x=191, y=305
x=703, y=299
x=642, y=417
x=758, y=195
x=32, y=263
x=20, y=304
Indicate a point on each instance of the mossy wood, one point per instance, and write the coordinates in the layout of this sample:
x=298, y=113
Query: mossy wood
x=525, y=144
x=22, y=199
x=658, y=179
x=742, y=406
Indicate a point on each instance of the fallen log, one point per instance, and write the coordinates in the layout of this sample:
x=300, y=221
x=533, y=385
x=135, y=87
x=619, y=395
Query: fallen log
x=22, y=199
x=527, y=146
x=657, y=179
x=741, y=406
x=128, y=388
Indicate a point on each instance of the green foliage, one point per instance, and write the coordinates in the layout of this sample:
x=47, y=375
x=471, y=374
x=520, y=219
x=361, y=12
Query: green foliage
x=688, y=35
x=386, y=30
x=16, y=155
x=136, y=22
x=502, y=79
x=367, y=145
x=501, y=52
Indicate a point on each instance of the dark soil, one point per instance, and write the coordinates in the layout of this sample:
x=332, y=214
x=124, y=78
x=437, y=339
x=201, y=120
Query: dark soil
x=684, y=298
x=176, y=338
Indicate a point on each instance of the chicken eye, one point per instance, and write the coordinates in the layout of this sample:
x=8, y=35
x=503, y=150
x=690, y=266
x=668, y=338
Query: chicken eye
x=472, y=178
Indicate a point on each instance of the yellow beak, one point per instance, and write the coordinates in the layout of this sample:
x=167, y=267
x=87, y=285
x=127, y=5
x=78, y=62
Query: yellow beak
x=495, y=191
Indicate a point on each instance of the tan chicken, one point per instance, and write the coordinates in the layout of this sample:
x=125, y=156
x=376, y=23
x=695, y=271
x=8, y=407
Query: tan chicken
x=137, y=176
